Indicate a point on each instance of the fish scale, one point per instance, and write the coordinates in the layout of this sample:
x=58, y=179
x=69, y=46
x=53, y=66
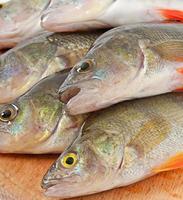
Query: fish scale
x=121, y=145
x=20, y=20
x=38, y=57
x=79, y=14
x=128, y=62
x=40, y=124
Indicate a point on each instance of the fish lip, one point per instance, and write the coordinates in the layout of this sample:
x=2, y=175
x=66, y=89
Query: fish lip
x=76, y=87
x=67, y=189
x=68, y=92
x=63, y=185
x=51, y=182
x=49, y=190
x=46, y=184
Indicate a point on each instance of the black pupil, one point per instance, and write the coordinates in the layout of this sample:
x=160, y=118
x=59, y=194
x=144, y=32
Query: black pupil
x=6, y=114
x=84, y=66
x=1, y=6
x=70, y=160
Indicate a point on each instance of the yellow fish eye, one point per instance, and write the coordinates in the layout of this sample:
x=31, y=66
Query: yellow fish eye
x=8, y=113
x=69, y=160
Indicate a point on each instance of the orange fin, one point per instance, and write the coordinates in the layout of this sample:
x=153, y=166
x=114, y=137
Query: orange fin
x=173, y=163
x=178, y=89
x=172, y=14
x=180, y=70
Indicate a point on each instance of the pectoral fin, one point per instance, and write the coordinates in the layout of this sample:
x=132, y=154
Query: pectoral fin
x=175, y=162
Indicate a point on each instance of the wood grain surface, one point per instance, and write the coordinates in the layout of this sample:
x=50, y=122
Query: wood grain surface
x=20, y=177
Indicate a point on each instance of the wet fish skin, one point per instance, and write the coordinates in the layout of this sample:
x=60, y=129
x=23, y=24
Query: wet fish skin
x=75, y=15
x=38, y=123
x=19, y=20
x=38, y=57
x=127, y=62
x=121, y=145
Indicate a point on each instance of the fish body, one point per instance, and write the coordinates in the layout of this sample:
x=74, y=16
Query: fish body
x=36, y=122
x=127, y=62
x=120, y=145
x=72, y=15
x=19, y=20
x=38, y=57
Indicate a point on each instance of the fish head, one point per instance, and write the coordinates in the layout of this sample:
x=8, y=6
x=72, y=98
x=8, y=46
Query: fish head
x=88, y=166
x=72, y=15
x=23, y=66
x=14, y=71
x=29, y=122
x=16, y=17
x=104, y=74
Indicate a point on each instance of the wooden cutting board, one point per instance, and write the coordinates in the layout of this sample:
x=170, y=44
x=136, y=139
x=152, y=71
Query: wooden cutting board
x=20, y=177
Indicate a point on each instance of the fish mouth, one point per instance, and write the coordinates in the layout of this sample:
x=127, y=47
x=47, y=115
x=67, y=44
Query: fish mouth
x=65, y=188
x=79, y=100
x=47, y=183
x=61, y=190
x=67, y=93
x=70, y=189
x=50, y=181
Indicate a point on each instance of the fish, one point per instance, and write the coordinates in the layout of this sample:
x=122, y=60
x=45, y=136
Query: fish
x=119, y=146
x=19, y=20
x=38, y=57
x=36, y=122
x=1, y=52
x=127, y=62
x=73, y=15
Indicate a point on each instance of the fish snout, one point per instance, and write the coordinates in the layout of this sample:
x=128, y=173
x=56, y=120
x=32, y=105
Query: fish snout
x=68, y=92
x=48, y=178
x=46, y=183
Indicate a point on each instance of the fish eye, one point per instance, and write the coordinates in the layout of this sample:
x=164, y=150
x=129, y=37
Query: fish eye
x=8, y=113
x=1, y=5
x=85, y=66
x=69, y=160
